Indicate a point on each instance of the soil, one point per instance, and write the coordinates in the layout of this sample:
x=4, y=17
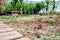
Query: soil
x=27, y=26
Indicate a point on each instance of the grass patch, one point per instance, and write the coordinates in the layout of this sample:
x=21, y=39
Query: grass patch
x=56, y=32
x=49, y=38
x=36, y=16
x=14, y=17
x=51, y=20
x=9, y=17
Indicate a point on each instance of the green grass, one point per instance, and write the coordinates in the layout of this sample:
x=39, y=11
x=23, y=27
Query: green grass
x=9, y=17
x=56, y=32
x=14, y=17
x=36, y=16
x=51, y=38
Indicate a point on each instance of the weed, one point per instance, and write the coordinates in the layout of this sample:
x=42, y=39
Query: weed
x=51, y=20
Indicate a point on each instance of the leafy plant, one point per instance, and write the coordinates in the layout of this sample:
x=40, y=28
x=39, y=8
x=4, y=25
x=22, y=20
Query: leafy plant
x=51, y=20
x=7, y=8
x=14, y=5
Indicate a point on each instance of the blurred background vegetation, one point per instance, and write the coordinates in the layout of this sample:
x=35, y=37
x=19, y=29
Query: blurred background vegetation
x=30, y=8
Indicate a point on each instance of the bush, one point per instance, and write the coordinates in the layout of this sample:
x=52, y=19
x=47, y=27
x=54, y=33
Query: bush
x=51, y=20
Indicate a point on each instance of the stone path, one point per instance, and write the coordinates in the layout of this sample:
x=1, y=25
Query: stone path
x=7, y=33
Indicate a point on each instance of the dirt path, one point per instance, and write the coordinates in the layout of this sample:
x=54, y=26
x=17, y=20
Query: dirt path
x=31, y=17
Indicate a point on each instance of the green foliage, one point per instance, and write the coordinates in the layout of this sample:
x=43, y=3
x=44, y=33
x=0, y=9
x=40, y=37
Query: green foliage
x=14, y=5
x=58, y=13
x=56, y=33
x=54, y=6
x=29, y=6
x=7, y=8
x=8, y=17
x=47, y=1
x=51, y=20
x=40, y=6
x=49, y=38
x=18, y=5
x=50, y=5
x=47, y=4
x=36, y=16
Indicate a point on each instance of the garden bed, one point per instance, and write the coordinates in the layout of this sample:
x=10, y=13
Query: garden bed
x=27, y=27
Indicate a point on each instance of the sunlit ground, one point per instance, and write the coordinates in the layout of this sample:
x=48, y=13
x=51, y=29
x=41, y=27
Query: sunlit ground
x=26, y=26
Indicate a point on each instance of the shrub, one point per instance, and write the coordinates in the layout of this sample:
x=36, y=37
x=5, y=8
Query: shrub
x=51, y=20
